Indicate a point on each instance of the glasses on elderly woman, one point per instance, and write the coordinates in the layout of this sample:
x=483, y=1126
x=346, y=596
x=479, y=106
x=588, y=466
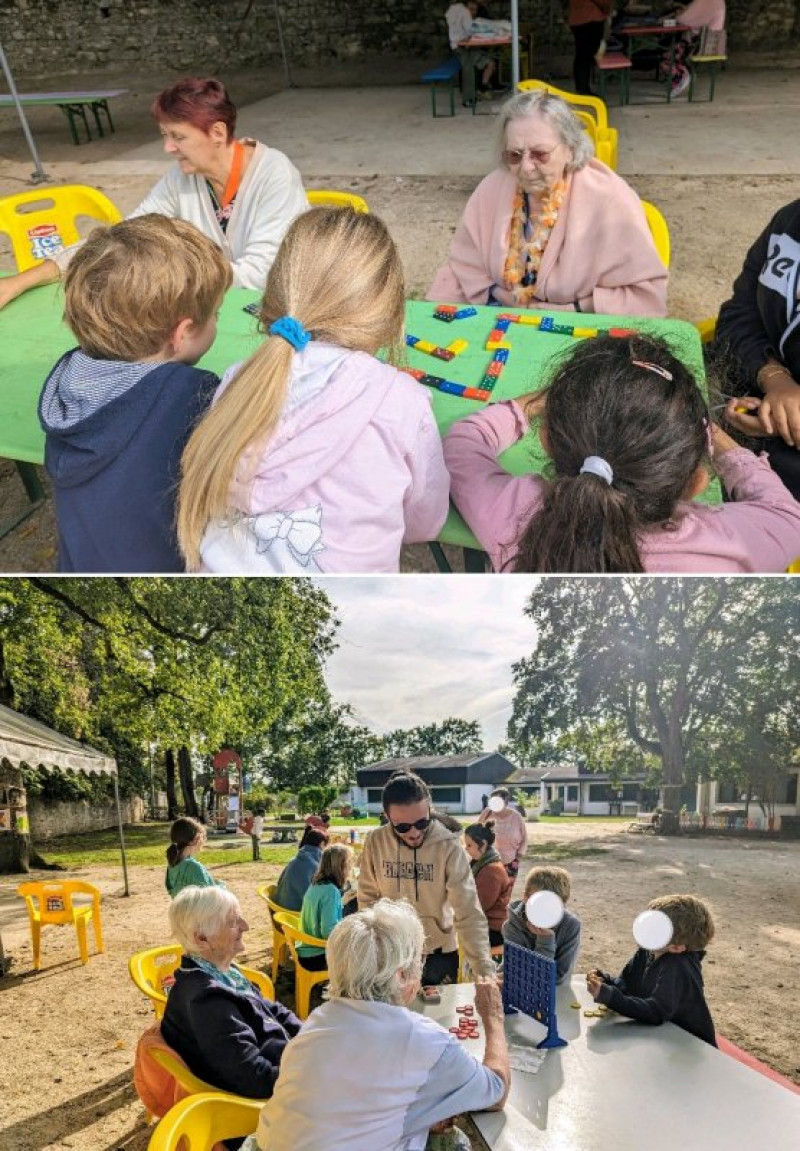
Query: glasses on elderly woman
x=417, y=825
x=514, y=156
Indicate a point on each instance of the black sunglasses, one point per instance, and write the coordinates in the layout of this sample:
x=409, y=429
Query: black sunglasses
x=418, y=825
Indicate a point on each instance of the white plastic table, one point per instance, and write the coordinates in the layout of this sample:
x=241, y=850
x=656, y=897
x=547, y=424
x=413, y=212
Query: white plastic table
x=624, y=1086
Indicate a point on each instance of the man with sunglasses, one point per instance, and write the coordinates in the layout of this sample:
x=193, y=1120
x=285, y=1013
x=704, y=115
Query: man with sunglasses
x=414, y=857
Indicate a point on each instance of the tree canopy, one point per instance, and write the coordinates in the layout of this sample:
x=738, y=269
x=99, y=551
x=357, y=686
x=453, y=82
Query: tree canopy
x=651, y=671
x=450, y=737
x=199, y=663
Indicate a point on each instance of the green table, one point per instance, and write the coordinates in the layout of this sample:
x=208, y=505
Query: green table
x=33, y=336
x=529, y=365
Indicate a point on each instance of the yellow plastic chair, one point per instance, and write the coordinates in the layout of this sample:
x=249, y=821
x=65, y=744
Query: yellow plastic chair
x=197, y=1123
x=151, y=969
x=49, y=902
x=280, y=948
x=42, y=223
x=304, y=980
x=321, y=198
x=658, y=230
x=593, y=115
x=707, y=329
x=794, y=567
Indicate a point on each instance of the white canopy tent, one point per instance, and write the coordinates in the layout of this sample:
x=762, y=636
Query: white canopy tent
x=25, y=740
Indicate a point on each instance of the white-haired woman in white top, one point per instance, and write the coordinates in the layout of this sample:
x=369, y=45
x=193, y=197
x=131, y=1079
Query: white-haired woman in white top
x=365, y=1072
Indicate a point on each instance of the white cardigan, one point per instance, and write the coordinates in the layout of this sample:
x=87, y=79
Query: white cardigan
x=271, y=195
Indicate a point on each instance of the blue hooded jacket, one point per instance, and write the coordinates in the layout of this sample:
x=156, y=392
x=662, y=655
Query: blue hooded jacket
x=115, y=433
x=295, y=879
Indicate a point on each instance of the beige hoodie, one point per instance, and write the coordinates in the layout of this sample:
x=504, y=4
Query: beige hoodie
x=437, y=881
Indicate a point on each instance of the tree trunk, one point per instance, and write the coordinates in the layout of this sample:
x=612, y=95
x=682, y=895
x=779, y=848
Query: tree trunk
x=172, y=797
x=186, y=776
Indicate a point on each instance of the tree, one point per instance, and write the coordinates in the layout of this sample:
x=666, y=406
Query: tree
x=190, y=665
x=316, y=744
x=450, y=737
x=651, y=665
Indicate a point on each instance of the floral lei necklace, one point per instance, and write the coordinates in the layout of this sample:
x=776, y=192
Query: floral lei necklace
x=525, y=256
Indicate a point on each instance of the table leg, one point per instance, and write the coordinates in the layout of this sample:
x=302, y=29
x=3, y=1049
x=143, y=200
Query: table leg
x=68, y=112
x=33, y=490
x=96, y=106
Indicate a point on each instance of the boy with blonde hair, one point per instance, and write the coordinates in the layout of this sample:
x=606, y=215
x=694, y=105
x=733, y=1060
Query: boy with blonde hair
x=665, y=985
x=141, y=299
x=560, y=943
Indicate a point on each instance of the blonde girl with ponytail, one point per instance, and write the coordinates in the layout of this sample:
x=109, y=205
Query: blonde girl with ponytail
x=316, y=456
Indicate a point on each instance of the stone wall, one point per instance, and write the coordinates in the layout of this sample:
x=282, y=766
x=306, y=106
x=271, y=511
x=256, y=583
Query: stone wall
x=48, y=820
x=82, y=36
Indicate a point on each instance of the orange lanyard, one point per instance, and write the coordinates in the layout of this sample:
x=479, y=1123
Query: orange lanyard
x=235, y=176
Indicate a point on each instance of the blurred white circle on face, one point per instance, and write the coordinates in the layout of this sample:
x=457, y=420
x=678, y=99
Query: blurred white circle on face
x=496, y=803
x=544, y=909
x=652, y=930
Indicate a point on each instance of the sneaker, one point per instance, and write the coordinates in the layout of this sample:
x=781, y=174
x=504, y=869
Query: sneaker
x=681, y=83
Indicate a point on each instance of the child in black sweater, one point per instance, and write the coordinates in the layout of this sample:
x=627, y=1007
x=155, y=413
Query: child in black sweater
x=665, y=985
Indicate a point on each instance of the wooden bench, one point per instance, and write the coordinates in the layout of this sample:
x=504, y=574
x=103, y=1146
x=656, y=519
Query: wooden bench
x=74, y=105
x=700, y=63
x=644, y=821
x=447, y=74
x=614, y=64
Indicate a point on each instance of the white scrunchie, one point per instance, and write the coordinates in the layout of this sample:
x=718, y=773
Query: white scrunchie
x=597, y=466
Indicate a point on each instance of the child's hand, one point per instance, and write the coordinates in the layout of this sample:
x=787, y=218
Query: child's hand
x=749, y=422
x=545, y=932
x=780, y=411
x=593, y=984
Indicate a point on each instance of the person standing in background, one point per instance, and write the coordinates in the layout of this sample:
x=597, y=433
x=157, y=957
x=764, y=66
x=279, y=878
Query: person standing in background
x=586, y=19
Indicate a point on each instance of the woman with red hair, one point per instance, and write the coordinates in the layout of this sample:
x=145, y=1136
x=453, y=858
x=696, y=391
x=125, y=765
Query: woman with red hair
x=238, y=192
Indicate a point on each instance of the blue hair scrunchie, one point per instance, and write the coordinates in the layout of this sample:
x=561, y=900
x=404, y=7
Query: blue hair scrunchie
x=291, y=330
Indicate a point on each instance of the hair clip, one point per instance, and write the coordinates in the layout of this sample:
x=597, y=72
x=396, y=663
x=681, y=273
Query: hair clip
x=709, y=432
x=659, y=371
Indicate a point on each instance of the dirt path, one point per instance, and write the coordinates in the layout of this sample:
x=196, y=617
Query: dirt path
x=72, y=1030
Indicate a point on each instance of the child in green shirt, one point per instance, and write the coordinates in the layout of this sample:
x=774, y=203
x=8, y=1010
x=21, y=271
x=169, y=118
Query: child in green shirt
x=187, y=836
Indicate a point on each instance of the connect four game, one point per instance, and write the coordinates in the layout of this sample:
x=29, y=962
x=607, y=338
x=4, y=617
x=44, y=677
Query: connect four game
x=529, y=986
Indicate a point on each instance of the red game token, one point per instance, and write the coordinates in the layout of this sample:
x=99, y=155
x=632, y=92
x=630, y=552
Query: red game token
x=455, y=1030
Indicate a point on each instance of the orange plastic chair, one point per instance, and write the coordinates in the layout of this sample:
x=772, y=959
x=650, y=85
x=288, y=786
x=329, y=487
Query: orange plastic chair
x=197, y=1123
x=304, y=980
x=321, y=198
x=49, y=902
x=280, y=948
x=152, y=972
x=166, y=1058
x=42, y=223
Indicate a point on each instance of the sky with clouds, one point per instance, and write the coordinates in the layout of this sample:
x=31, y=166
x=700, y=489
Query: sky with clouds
x=417, y=649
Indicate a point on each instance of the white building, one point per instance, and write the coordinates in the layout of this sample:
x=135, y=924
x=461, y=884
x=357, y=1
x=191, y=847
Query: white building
x=457, y=783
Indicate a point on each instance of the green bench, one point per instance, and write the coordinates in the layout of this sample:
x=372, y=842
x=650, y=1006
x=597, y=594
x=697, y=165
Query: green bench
x=74, y=105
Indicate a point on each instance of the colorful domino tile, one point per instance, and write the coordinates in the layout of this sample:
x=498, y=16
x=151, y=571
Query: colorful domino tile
x=448, y=353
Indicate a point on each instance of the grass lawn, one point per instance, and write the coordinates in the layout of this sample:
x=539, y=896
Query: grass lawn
x=146, y=846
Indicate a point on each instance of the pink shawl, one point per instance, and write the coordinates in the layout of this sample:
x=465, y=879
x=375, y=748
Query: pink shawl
x=600, y=248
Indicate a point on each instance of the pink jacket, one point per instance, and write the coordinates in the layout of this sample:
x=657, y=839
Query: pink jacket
x=704, y=14
x=758, y=533
x=354, y=470
x=600, y=248
x=511, y=834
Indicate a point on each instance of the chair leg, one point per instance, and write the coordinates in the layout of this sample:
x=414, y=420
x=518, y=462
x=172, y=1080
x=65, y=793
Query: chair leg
x=36, y=939
x=83, y=943
x=302, y=994
x=437, y=551
x=98, y=930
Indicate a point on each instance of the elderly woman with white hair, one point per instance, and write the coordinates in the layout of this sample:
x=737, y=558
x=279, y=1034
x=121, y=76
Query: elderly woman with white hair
x=219, y=1023
x=552, y=227
x=367, y=1074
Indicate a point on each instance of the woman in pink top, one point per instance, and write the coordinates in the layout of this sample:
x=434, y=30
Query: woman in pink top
x=315, y=456
x=511, y=835
x=552, y=227
x=628, y=434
